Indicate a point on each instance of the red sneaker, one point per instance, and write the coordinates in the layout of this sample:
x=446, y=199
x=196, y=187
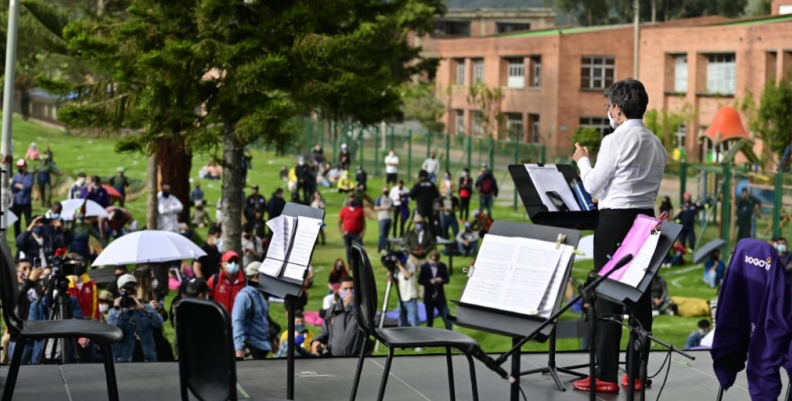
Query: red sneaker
x=602, y=386
x=637, y=382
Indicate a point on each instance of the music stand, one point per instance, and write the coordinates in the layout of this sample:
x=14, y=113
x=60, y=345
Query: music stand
x=289, y=289
x=515, y=325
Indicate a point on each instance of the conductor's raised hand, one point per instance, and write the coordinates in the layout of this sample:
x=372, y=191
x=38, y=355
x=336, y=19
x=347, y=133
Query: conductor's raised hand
x=580, y=152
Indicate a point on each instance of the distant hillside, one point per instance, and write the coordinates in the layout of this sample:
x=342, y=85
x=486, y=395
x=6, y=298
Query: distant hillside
x=561, y=18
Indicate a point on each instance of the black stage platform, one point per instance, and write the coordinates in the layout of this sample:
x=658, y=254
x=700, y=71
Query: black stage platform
x=419, y=378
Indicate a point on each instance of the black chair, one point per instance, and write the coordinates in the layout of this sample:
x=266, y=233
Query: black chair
x=102, y=334
x=207, y=359
x=402, y=337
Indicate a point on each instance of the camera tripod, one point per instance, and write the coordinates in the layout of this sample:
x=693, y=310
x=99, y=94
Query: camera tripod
x=385, y=302
x=60, y=309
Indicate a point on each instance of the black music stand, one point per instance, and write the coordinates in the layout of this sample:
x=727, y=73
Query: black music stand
x=289, y=289
x=538, y=212
x=515, y=325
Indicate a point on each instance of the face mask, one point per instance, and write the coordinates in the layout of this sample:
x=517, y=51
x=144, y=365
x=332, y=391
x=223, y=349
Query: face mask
x=351, y=203
x=166, y=194
x=21, y=170
x=344, y=293
x=418, y=226
x=447, y=177
x=154, y=284
x=37, y=230
x=299, y=328
x=464, y=174
x=385, y=193
x=300, y=163
x=246, y=236
x=703, y=332
x=232, y=268
x=81, y=181
x=782, y=248
x=612, y=120
x=104, y=308
x=55, y=215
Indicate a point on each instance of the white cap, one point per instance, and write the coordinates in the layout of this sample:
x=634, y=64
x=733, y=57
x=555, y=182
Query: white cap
x=126, y=279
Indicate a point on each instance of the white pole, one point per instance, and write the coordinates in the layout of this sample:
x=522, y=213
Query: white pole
x=636, y=45
x=8, y=108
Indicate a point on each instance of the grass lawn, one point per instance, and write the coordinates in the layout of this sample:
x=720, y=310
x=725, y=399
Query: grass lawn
x=97, y=156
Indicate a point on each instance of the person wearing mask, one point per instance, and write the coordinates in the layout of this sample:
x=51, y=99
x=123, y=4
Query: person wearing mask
x=344, y=157
x=687, y=218
x=44, y=171
x=329, y=300
x=467, y=240
x=22, y=190
x=113, y=286
x=447, y=186
x=40, y=311
x=249, y=318
x=318, y=202
x=351, y=225
x=747, y=206
x=30, y=291
x=446, y=207
x=136, y=319
x=361, y=178
x=383, y=206
x=667, y=207
x=168, y=209
x=433, y=277
x=302, y=339
x=82, y=287
x=199, y=216
x=41, y=239
x=76, y=188
x=784, y=257
x=425, y=193
x=408, y=289
x=118, y=224
x=694, y=339
x=345, y=184
x=255, y=202
x=714, y=269
x=627, y=178
x=465, y=194
x=197, y=194
x=391, y=168
x=120, y=183
x=418, y=243
x=487, y=187
x=84, y=228
x=276, y=204
x=340, y=333
x=338, y=272
x=400, y=196
x=226, y=284
x=252, y=249
x=106, y=300
x=432, y=167
x=96, y=192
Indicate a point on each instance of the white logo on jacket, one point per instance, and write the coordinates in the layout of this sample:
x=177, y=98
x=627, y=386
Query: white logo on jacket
x=765, y=264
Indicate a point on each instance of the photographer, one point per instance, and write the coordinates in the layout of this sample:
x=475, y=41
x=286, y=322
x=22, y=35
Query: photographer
x=418, y=242
x=340, y=334
x=29, y=289
x=135, y=320
x=40, y=311
x=42, y=237
x=404, y=273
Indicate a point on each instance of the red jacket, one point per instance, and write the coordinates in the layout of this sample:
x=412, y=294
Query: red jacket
x=87, y=296
x=223, y=291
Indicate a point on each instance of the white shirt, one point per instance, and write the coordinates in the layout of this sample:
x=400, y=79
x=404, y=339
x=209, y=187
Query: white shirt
x=168, y=209
x=629, y=168
x=391, y=164
x=407, y=288
x=432, y=166
x=395, y=194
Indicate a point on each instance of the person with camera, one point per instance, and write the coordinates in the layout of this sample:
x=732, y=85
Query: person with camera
x=249, y=318
x=96, y=192
x=418, y=242
x=433, y=276
x=408, y=290
x=340, y=334
x=41, y=310
x=136, y=320
x=42, y=237
x=29, y=289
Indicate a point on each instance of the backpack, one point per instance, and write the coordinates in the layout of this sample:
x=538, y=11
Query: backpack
x=487, y=185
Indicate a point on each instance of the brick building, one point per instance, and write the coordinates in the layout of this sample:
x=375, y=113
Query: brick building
x=552, y=79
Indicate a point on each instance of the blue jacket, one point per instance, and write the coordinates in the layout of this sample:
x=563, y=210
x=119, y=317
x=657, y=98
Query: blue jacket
x=135, y=322
x=22, y=196
x=754, y=315
x=249, y=319
x=39, y=311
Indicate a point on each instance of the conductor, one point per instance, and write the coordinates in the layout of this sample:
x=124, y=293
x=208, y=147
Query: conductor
x=627, y=178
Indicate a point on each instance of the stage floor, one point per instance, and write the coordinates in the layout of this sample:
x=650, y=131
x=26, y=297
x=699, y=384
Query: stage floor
x=419, y=378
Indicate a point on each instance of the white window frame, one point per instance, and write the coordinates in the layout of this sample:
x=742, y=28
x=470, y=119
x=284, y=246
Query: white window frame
x=601, y=67
x=460, y=71
x=536, y=134
x=478, y=71
x=537, y=72
x=721, y=73
x=478, y=123
x=460, y=122
x=515, y=125
x=680, y=73
x=681, y=135
x=600, y=123
x=515, y=73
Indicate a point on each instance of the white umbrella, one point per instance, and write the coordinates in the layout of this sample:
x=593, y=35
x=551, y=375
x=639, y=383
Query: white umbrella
x=586, y=245
x=72, y=206
x=11, y=218
x=149, y=246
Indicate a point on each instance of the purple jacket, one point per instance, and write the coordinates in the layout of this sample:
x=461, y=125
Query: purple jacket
x=754, y=315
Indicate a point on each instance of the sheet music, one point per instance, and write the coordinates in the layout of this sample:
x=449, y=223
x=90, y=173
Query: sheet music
x=304, y=240
x=282, y=228
x=637, y=270
x=548, y=179
x=546, y=307
x=300, y=234
x=512, y=274
x=271, y=267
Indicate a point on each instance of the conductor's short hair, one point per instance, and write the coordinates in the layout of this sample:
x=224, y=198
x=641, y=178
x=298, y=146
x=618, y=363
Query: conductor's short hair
x=631, y=97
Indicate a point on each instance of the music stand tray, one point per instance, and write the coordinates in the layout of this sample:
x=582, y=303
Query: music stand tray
x=514, y=325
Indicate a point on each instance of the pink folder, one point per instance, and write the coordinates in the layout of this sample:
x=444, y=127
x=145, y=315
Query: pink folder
x=639, y=233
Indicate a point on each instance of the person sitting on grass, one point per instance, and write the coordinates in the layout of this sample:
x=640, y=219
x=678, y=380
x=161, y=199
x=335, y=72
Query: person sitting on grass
x=302, y=339
x=713, y=269
x=661, y=303
x=676, y=257
x=694, y=339
x=200, y=217
x=467, y=240
x=345, y=184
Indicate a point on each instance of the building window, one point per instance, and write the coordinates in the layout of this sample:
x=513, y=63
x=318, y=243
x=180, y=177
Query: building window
x=536, y=135
x=452, y=28
x=460, y=71
x=600, y=124
x=681, y=134
x=478, y=123
x=514, y=126
x=478, y=71
x=721, y=73
x=516, y=73
x=680, y=74
x=536, y=71
x=460, y=122
x=506, y=27
x=597, y=72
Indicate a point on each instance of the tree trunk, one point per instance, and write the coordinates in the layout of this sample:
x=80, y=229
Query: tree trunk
x=175, y=164
x=233, y=151
x=151, y=199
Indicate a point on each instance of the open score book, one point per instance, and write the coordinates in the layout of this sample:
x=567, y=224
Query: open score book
x=293, y=241
x=519, y=275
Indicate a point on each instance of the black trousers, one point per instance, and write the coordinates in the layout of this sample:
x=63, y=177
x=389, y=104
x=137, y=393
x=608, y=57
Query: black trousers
x=21, y=210
x=613, y=226
x=464, y=208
